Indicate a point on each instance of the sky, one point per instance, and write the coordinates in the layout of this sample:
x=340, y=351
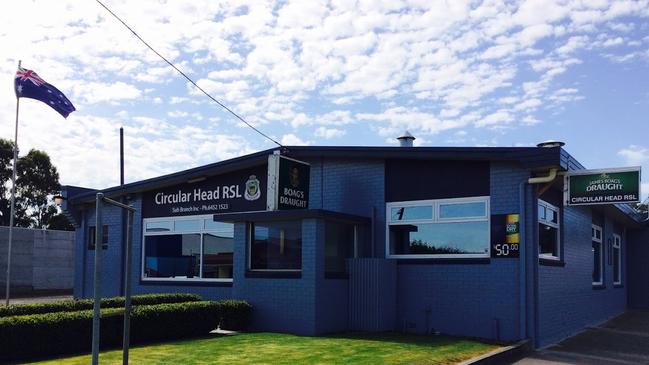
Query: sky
x=344, y=72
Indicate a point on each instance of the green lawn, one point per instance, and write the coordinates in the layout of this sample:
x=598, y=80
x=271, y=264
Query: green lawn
x=274, y=348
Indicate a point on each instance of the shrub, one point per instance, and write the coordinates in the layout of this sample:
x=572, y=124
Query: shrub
x=49, y=334
x=234, y=314
x=85, y=304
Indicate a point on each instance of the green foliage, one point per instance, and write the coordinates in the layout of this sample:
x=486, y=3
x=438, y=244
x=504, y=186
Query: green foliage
x=60, y=222
x=37, y=180
x=85, y=304
x=234, y=314
x=421, y=247
x=39, y=335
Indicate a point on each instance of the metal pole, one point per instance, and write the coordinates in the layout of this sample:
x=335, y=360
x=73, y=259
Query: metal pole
x=13, y=201
x=99, y=234
x=127, y=289
x=121, y=155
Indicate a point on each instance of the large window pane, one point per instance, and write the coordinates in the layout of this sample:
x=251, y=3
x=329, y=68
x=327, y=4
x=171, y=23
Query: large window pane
x=440, y=238
x=339, y=245
x=276, y=246
x=462, y=210
x=172, y=256
x=217, y=255
x=409, y=213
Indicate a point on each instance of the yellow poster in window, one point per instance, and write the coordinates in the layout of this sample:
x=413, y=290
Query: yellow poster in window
x=513, y=228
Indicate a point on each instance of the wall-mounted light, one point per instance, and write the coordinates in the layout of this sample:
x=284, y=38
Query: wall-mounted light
x=58, y=199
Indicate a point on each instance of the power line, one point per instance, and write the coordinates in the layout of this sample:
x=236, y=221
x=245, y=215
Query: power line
x=187, y=77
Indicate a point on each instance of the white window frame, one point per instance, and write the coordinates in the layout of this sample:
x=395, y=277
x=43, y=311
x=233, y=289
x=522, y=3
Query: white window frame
x=200, y=231
x=594, y=229
x=617, y=245
x=556, y=225
x=435, y=203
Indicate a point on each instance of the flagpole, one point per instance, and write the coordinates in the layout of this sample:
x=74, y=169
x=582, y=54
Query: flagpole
x=13, y=200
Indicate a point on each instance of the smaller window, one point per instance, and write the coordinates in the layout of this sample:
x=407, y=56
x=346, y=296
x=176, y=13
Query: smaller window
x=160, y=226
x=188, y=225
x=598, y=257
x=549, y=233
x=91, y=238
x=617, y=259
x=462, y=210
x=275, y=246
x=340, y=241
x=411, y=213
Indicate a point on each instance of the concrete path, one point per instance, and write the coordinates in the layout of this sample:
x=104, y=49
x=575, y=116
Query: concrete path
x=622, y=340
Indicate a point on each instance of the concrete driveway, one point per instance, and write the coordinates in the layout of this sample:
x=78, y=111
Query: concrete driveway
x=622, y=340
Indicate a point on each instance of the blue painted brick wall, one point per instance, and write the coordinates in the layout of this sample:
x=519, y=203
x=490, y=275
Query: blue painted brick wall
x=567, y=300
x=479, y=300
x=282, y=305
x=111, y=258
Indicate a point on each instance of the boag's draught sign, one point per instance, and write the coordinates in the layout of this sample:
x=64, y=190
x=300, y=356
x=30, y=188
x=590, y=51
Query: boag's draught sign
x=607, y=186
x=288, y=183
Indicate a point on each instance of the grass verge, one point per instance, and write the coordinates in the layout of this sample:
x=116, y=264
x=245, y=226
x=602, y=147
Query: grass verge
x=276, y=348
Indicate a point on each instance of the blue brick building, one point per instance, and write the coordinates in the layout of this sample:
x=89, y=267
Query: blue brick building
x=392, y=239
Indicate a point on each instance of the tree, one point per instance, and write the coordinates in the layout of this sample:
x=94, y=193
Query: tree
x=37, y=180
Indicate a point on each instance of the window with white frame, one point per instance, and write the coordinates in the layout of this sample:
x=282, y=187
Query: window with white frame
x=443, y=228
x=617, y=259
x=598, y=257
x=549, y=231
x=191, y=248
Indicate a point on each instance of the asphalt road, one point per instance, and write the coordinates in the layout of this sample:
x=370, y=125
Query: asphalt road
x=622, y=340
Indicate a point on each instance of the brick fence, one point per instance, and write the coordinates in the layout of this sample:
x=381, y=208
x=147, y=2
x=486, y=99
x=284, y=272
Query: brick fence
x=40, y=259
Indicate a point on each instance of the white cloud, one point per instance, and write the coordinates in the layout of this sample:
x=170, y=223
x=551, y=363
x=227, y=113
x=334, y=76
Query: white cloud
x=634, y=155
x=329, y=132
x=293, y=140
x=315, y=68
x=97, y=92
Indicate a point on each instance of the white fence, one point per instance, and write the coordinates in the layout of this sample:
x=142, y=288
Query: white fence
x=40, y=259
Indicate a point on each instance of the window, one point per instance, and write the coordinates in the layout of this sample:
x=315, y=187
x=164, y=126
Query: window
x=549, y=239
x=92, y=232
x=275, y=246
x=617, y=259
x=444, y=228
x=598, y=257
x=340, y=244
x=187, y=248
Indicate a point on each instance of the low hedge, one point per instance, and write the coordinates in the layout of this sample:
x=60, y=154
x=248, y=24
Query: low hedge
x=50, y=334
x=234, y=314
x=84, y=304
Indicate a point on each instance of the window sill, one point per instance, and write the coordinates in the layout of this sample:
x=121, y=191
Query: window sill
x=448, y=261
x=103, y=247
x=618, y=286
x=186, y=283
x=599, y=286
x=551, y=262
x=274, y=274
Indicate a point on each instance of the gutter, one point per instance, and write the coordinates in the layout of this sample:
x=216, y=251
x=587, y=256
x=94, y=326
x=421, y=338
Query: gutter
x=528, y=262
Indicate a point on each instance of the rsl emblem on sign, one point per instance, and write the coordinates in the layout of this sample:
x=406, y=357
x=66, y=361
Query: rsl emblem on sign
x=253, y=192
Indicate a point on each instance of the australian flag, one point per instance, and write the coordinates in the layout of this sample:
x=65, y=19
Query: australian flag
x=29, y=85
